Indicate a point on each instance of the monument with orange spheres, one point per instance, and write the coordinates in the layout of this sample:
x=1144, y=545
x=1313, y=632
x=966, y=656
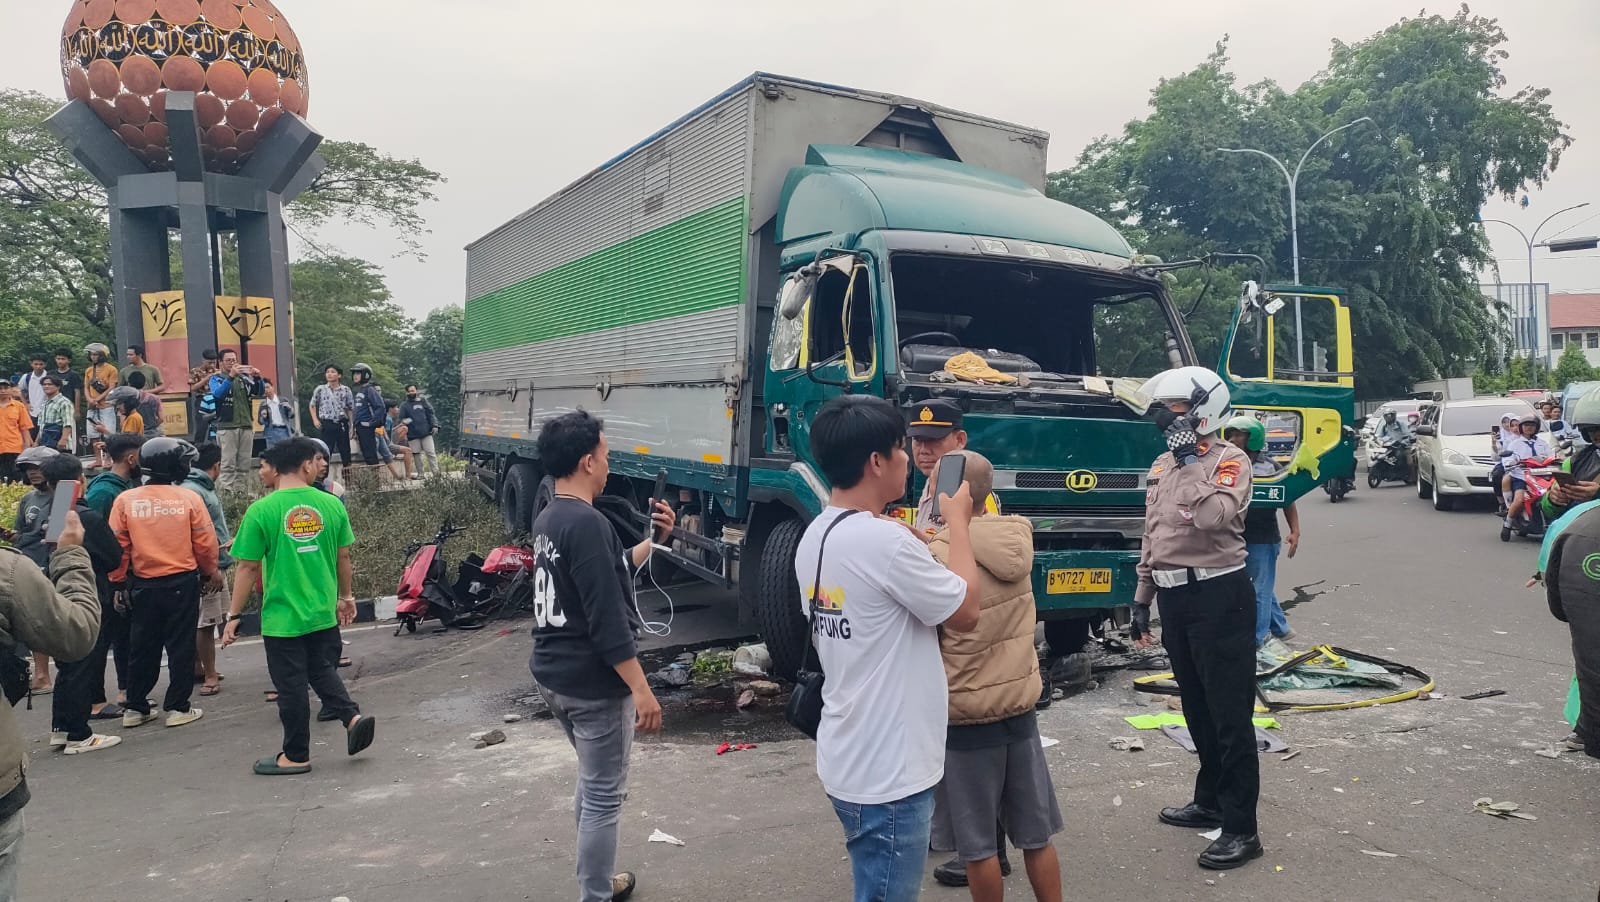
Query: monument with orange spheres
x=191, y=113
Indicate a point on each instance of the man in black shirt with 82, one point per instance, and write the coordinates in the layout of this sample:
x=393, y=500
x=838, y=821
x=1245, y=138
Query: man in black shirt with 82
x=584, y=657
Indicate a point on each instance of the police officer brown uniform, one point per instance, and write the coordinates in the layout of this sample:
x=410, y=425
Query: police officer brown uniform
x=1191, y=561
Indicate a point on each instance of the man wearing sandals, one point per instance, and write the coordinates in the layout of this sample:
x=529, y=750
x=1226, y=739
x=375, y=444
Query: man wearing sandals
x=302, y=536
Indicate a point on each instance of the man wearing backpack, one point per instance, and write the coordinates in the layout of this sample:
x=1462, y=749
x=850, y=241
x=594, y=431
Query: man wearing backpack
x=58, y=616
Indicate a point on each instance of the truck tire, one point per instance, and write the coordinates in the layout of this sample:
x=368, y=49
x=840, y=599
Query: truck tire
x=783, y=627
x=517, y=498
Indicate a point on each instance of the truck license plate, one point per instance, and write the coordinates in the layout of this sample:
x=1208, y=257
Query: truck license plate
x=1077, y=581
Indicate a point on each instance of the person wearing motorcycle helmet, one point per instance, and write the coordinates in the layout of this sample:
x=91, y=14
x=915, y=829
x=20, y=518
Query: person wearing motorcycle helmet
x=1584, y=466
x=1526, y=445
x=33, y=509
x=1392, y=429
x=98, y=380
x=323, y=481
x=1499, y=439
x=369, y=413
x=1192, y=562
x=1262, y=538
x=171, y=553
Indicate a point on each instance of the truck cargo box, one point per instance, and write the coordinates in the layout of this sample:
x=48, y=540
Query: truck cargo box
x=638, y=291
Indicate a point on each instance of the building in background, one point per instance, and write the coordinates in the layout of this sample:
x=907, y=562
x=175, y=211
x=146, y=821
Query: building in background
x=1575, y=319
x=1526, y=315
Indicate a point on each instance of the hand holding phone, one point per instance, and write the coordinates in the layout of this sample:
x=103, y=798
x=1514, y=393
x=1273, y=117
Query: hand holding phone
x=952, y=469
x=61, y=506
x=1562, y=477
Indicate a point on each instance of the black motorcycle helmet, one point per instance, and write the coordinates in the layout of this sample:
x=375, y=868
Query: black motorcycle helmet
x=363, y=371
x=167, y=460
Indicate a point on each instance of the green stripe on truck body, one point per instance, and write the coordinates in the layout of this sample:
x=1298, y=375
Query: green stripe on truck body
x=691, y=265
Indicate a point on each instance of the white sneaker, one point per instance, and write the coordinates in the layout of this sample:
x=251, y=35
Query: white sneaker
x=132, y=718
x=179, y=718
x=58, y=739
x=93, y=744
x=1572, y=743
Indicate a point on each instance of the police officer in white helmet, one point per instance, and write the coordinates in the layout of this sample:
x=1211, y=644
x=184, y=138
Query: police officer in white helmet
x=1192, y=561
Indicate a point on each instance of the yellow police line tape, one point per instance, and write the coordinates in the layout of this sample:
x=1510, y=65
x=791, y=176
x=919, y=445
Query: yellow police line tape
x=1151, y=682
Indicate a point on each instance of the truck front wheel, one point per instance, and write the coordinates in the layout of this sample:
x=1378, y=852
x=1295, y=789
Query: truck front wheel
x=783, y=626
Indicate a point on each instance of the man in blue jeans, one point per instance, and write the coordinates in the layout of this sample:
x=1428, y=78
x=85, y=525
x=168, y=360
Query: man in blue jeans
x=877, y=599
x=584, y=660
x=1262, y=539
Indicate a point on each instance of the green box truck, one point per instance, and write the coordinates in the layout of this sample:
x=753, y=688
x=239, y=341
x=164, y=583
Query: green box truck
x=789, y=241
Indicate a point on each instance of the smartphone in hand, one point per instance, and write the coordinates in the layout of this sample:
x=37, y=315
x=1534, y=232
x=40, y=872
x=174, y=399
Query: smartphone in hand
x=66, y=498
x=1562, y=477
x=952, y=469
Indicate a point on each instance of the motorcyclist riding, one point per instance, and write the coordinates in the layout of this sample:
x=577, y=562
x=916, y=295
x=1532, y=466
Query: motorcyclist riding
x=1392, y=430
x=1585, y=465
x=1526, y=445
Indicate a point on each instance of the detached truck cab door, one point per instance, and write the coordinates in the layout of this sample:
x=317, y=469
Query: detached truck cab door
x=1288, y=360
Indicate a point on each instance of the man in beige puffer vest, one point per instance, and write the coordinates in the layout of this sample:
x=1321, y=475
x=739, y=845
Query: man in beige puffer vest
x=995, y=767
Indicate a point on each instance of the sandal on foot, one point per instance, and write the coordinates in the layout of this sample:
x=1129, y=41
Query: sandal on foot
x=271, y=696
x=112, y=711
x=269, y=767
x=210, y=690
x=359, y=734
x=345, y=662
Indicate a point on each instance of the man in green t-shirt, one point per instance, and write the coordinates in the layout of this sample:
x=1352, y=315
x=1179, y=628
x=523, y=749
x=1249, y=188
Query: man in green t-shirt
x=303, y=537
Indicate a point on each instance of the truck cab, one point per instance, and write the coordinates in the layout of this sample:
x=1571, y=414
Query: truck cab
x=884, y=286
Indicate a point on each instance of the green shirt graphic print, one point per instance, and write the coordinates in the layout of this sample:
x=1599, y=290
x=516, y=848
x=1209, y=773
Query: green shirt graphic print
x=296, y=534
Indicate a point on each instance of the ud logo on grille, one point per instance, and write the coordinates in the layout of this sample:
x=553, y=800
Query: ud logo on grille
x=1082, y=480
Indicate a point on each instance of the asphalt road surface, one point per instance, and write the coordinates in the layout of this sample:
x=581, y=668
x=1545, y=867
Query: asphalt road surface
x=177, y=815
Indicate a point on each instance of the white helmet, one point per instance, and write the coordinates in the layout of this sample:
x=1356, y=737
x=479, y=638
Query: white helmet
x=1183, y=384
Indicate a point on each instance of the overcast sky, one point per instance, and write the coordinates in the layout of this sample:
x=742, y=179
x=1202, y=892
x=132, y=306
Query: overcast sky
x=512, y=100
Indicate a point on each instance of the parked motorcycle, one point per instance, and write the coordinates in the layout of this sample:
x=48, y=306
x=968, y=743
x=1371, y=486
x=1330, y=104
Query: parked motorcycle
x=1527, y=520
x=483, y=588
x=1391, y=464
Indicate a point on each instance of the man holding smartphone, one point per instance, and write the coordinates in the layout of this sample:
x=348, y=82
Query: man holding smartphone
x=232, y=389
x=879, y=599
x=585, y=660
x=76, y=680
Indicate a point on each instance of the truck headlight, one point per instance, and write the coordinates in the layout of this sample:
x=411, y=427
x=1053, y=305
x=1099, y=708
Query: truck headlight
x=1457, y=459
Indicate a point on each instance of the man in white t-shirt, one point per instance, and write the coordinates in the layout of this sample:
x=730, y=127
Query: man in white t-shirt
x=879, y=603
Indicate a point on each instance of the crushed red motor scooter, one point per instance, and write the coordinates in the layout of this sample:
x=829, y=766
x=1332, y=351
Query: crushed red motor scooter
x=483, y=588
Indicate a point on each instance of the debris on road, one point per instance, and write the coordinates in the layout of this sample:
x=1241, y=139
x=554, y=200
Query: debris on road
x=1212, y=835
x=727, y=747
x=1501, y=809
x=1046, y=741
x=746, y=699
x=764, y=687
x=487, y=738
x=1548, y=751
x=1375, y=854
x=1293, y=754
x=673, y=676
x=1124, y=744
x=752, y=660
x=667, y=838
x=1483, y=693
x=512, y=718
x=1116, y=801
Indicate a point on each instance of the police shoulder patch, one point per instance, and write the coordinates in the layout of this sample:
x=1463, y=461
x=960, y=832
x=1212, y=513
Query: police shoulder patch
x=1228, y=473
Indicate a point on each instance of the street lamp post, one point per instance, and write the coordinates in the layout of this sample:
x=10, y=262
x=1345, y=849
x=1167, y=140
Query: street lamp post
x=1532, y=241
x=1294, y=224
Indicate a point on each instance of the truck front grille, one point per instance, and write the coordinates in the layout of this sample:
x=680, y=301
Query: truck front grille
x=1057, y=479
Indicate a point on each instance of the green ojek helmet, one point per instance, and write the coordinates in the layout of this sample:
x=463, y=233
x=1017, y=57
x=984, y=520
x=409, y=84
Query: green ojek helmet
x=1256, y=433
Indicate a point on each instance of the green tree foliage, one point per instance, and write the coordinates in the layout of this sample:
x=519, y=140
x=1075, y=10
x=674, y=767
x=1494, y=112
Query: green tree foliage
x=55, y=280
x=343, y=315
x=1572, y=367
x=434, y=363
x=1387, y=211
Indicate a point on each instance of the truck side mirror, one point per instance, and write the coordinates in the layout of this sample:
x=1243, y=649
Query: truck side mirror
x=797, y=290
